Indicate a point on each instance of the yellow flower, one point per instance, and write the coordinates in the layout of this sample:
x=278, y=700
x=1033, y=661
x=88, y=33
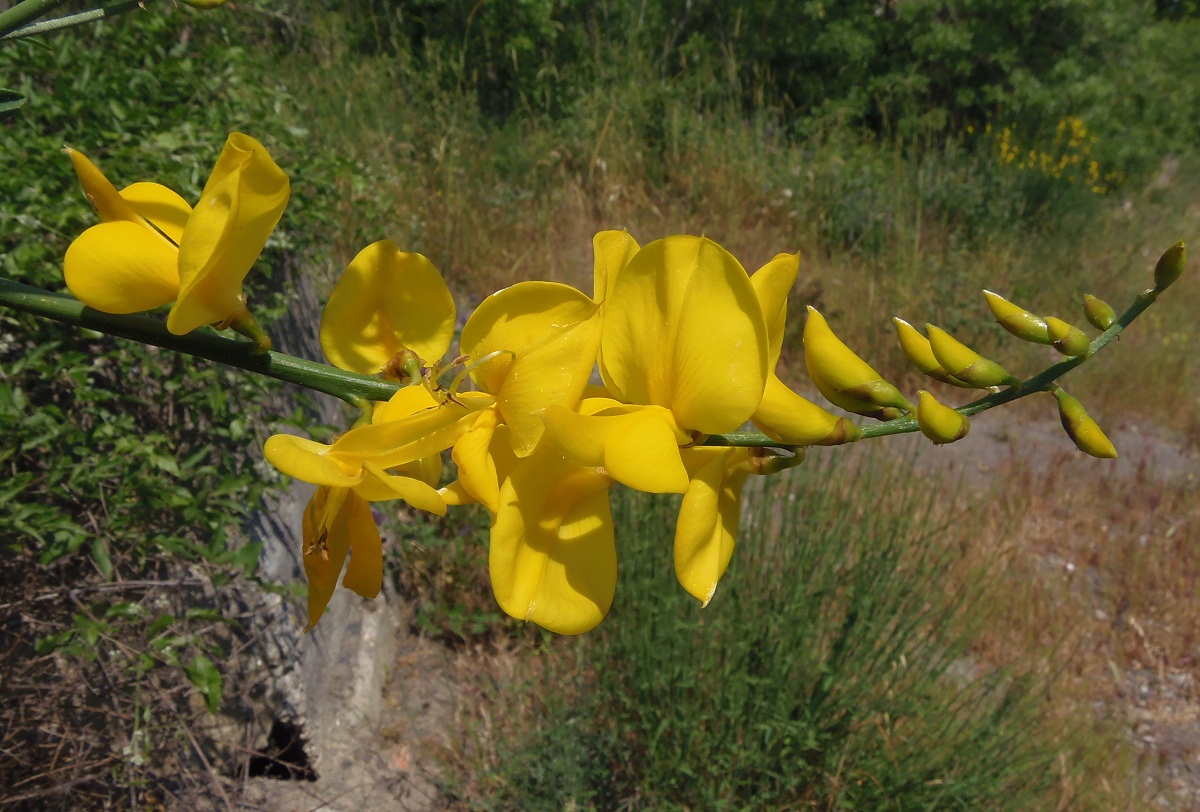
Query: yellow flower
x=387, y=301
x=151, y=248
x=536, y=342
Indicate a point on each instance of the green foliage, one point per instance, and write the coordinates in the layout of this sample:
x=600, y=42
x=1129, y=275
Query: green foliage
x=829, y=672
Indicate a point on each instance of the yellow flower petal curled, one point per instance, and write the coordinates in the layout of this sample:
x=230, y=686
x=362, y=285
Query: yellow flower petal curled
x=707, y=528
x=789, y=418
x=1017, y=320
x=241, y=203
x=337, y=522
x=964, y=363
x=121, y=267
x=683, y=330
x=613, y=250
x=637, y=446
x=474, y=454
x=782, y=414
x=101, y=194
x=545, y=337
x=552, y=556
x=1067, y=338
x=939, y=422
x=387, y=300
x=918, y=352
x=1081, y=428
x=844, y=378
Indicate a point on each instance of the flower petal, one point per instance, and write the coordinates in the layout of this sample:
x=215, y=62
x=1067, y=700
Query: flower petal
x=553, y=333
x=639, y=449
x=364, y=571
x=387, y=300
x=242, y=202
x=552, y=555
x=789, y=418
x=708, y=518
x=332, y=518
x=613, y=251
x=772, y=283
x=379, y=486
x=162, y=207
x=683, y=330
x=121, y=267
x=477, y=474
x=310, y=461
x=101, y=194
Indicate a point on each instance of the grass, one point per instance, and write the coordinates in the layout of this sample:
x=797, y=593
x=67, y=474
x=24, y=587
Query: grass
x=833, y=670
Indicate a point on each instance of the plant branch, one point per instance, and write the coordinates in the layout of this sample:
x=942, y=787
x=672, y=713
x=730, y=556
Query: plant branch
x=348, y=386
x=83, y=18
x=25, y=12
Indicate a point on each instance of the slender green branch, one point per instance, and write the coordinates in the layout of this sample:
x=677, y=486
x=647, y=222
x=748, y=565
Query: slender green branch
x=1042, y=382
x=355, y=389
x=83, y=18
x=348, y=386
x=25, y=12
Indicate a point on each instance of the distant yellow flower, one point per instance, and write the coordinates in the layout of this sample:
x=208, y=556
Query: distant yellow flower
x=151, y=248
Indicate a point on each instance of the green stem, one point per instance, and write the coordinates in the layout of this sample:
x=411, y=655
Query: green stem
x=354, y=388
x=25, y=12
x=348, y=386
x=1042, y=382
x=83, y=18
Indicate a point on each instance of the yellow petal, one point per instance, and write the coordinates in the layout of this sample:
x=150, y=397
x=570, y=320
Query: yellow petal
x=364, y=570
x=613, y=251
x=639, y=449
x=101, y=194
x=379, y=486
x=335, y=521
x=121, y=267
x=772, y=283
x=311, y=461
x=387, y=300
x=553, y=331
x=165, y=209
x=477, y=474
x=708, y=519
x=242, y=202
x=789, y=418
x=552, y=556
x=683, y=330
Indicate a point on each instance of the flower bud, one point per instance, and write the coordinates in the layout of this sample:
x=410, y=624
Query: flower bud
x=1170, y=266
x=844, y=378
x=1017, y=321
x=964, y=363
x=939, y=422
x=1068, y=339
x=918, y=352
x=1098, y=313
x=1081, y=428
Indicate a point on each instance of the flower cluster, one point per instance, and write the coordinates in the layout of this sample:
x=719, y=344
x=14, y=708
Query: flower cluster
x=555, y=395
x=685, y=343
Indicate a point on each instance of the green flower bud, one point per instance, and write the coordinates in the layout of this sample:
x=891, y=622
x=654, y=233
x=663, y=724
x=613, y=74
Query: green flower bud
x=1068, y=339
x=1170, y=266
x=1098, y=313
x=964, y=363
x=1081, y=428
x=1017, y=321
x=939, y=422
